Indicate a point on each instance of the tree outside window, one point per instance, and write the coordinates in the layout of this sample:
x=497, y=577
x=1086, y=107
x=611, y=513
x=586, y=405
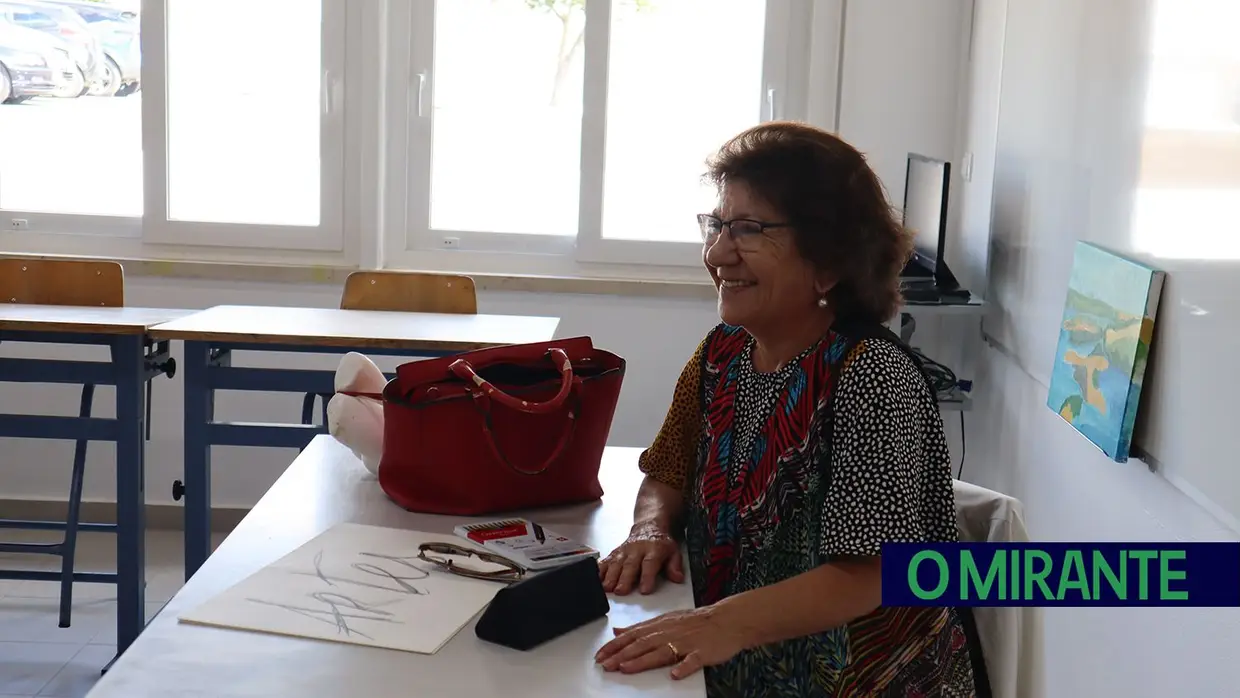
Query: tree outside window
x=571, y=14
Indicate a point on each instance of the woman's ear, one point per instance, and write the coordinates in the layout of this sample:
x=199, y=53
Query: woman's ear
x=824, y=282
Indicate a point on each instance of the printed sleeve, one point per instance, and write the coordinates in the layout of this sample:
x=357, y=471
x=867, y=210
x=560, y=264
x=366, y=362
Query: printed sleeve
x=884, y=450
x=674, y=450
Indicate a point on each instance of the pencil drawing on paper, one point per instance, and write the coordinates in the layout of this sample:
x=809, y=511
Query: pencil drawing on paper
x=337, y=608
x=336, y=588
x=338, y=614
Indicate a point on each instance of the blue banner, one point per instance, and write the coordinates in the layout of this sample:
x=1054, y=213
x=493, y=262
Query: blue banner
x=1061, y=574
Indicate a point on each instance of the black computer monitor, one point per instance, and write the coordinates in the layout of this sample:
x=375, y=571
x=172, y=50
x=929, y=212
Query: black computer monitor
x=926, y=182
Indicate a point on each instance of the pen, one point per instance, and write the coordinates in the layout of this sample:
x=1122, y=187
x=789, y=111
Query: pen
x=538, y=533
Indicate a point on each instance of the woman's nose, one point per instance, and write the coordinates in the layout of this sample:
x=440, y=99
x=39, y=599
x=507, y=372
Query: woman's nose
x=721, y=251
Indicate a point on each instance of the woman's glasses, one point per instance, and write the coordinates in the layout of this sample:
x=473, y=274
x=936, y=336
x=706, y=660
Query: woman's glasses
x=746, y=233
x=437, y=554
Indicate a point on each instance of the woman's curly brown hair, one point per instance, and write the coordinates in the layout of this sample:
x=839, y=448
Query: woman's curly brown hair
x=839, y=211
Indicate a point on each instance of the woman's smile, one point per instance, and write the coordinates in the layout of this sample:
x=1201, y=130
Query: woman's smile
x=731, y=287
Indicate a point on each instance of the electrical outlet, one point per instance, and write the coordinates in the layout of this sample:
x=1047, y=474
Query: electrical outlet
x=449, y=243
x=966, y=172
x=19, y=224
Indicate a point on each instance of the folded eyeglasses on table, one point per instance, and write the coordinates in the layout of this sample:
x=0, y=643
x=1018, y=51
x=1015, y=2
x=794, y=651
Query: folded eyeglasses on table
x=435, y=553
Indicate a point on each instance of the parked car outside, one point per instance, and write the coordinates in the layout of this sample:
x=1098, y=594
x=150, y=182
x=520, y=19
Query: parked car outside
x=122, y=48
x=62, y=23
x=32, y=64
x=95, y=12
x=118, y=31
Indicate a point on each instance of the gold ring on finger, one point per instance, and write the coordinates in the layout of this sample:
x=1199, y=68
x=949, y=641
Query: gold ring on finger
x=675, y=652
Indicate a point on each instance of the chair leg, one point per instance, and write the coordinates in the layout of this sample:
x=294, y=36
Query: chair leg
x=307, y=412
x=69, y=547
x=149, y=393
x=307, y=408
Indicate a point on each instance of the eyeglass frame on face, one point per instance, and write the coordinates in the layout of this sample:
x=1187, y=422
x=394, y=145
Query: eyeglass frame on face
x=745, y=240
x=512, y=573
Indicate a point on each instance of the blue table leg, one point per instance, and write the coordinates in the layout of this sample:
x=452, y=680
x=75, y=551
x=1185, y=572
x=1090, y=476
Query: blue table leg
x=199, y=412
x=128, y=353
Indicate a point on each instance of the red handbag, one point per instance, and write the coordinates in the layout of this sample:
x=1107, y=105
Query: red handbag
x=512, y=427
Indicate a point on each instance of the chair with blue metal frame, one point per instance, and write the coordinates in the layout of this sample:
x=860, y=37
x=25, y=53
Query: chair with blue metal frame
x=66, y=283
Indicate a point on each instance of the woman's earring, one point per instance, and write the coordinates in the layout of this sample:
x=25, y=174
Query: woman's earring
x=822, y=302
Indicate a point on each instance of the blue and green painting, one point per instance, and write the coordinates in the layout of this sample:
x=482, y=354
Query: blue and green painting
x=1104, y=342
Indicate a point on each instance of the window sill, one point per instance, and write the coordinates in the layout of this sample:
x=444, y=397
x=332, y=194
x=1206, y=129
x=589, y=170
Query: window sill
x=336, y=275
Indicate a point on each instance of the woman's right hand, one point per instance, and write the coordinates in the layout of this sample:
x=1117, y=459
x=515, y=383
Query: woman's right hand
x=638, y=561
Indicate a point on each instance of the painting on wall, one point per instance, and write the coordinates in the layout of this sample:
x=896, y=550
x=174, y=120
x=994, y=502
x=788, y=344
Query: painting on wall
x=1104, y=341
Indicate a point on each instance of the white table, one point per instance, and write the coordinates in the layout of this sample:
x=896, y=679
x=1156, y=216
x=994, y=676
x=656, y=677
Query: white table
x=327, y=485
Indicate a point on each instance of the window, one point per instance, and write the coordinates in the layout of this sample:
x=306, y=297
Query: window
x=63, y=153
x=507, y=87
x=251, y=153
x=1191, y=143
x=579, y=129
x=679, y=84
x=517, y=136
x=212, y=125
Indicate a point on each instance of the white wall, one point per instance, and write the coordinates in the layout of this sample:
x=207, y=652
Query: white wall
x=969, y=249
x=1018, y=445
x=1072, y=492
x=902, y=88
x=901, y=81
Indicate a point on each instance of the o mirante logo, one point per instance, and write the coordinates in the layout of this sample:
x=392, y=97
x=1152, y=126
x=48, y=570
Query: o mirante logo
x=1061, y=574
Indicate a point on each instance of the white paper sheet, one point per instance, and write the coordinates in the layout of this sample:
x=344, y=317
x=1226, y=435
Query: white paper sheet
x=355, y=584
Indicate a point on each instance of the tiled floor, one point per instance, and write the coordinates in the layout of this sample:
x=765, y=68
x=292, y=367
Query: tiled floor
x=38, y=658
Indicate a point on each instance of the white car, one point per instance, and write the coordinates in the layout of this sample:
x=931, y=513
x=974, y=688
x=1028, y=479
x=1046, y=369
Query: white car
x=33, y=64
x=118, y=31
x=64, y=24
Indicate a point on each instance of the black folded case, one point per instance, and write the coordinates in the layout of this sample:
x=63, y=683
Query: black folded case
x=545, y=606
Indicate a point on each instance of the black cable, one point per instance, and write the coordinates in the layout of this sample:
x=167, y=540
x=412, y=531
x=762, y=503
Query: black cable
x=960, y=471
x=941, y=377
x=945, y=384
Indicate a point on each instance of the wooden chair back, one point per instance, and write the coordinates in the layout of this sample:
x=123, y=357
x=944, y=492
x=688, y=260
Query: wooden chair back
x=62, y=282
x=410, y=292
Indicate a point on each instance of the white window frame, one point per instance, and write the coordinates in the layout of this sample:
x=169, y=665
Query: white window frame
x=800, y=82
x=87, y=225
x=350, y=179
x=158, y=228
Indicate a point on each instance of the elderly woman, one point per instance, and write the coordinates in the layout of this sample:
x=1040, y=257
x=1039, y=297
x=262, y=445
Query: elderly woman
x=798, y=442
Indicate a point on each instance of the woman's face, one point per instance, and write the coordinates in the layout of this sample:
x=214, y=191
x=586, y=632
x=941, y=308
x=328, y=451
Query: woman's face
x=763, y=280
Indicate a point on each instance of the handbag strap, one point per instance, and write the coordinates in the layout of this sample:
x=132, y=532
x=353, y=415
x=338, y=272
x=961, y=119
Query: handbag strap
x=566, y=436
x=465, y=371
x=487, y=394
x=355, y=393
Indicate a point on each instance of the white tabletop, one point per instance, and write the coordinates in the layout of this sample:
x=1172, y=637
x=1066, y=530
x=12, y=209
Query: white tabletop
x=333, y=327
x=327, y=485
x=84, y=320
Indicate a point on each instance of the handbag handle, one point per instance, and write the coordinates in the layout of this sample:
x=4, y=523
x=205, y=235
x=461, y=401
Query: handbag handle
x=565, y=437
x=463, y=370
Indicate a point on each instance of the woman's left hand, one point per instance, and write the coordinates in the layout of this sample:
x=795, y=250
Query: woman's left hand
x=689, y=640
